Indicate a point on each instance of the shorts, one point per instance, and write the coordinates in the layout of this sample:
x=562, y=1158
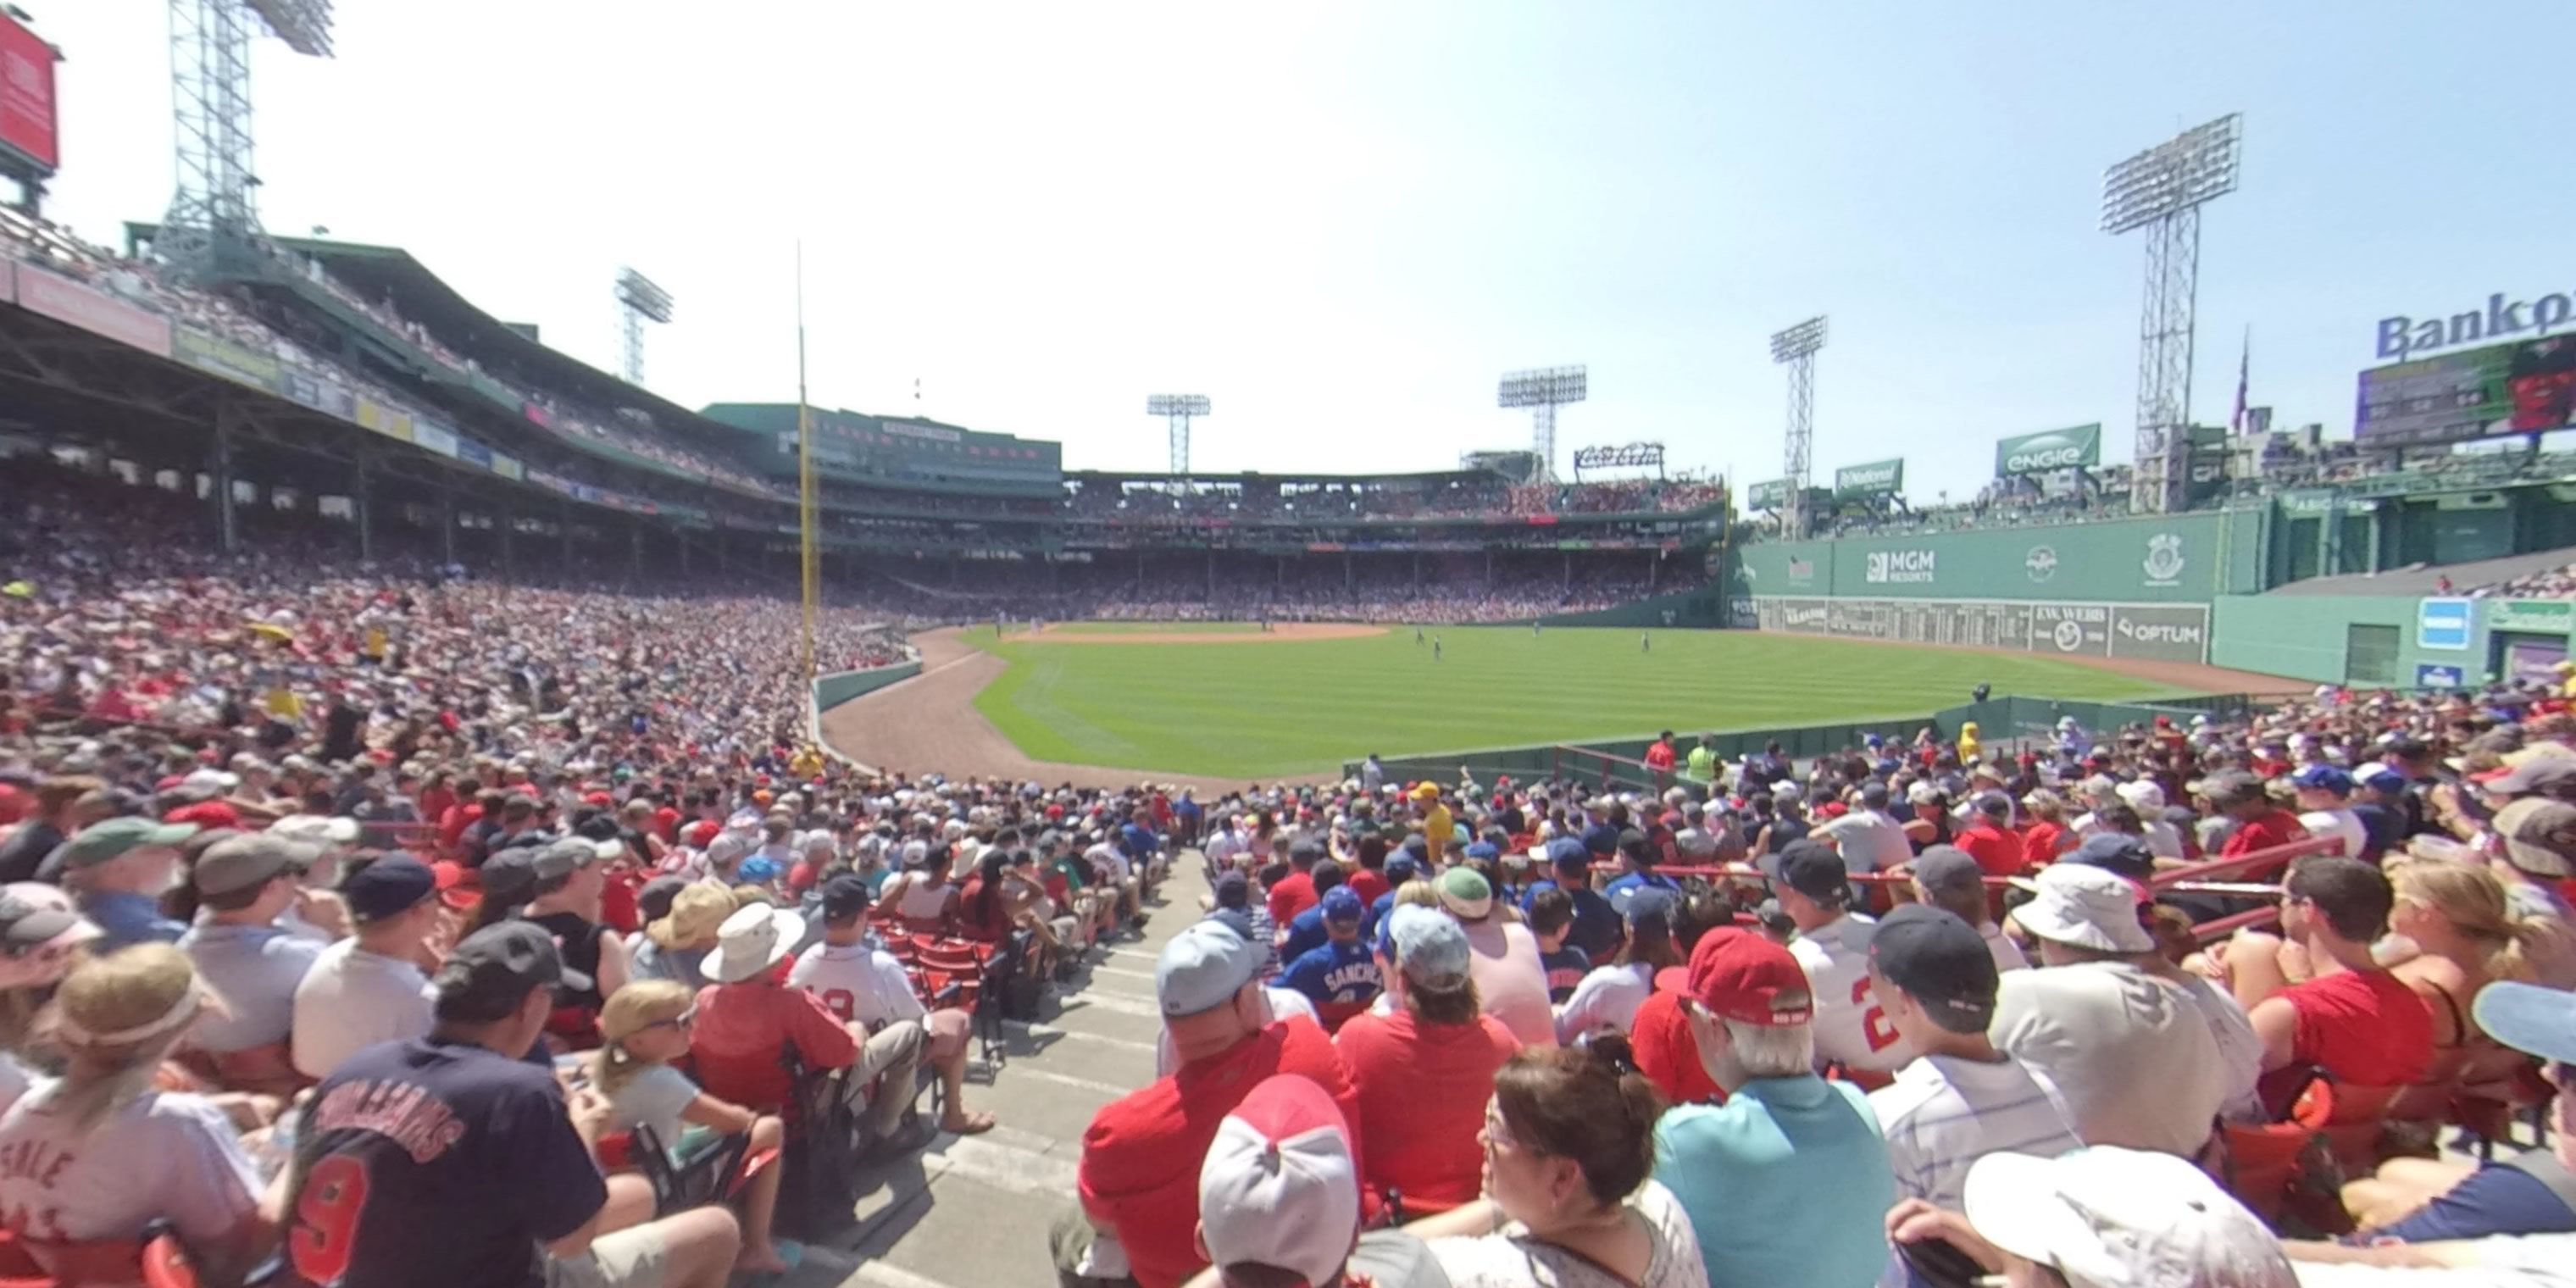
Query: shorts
x=949, y=1031
x=629, y=1258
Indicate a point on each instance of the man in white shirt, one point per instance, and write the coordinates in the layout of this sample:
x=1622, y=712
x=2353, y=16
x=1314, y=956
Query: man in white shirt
x=1948, y=878
x=1869, y=839
x=1962, y=1099
x=1833, y=948
x=370, y=988
x=2325, y=808
x=864, y=985
x=2163, y=839
x=2132, y=1054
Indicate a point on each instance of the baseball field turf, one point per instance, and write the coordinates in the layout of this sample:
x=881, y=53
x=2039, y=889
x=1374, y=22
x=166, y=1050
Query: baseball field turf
x=1258, y=709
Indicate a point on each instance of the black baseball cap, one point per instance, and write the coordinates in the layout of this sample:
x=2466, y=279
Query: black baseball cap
x=389, y=887
x=653, y=902
x=1941, y=962
x=2117, y=851
x=1816, y=872
x=1633, y=844
x=845, y=897
x=492, y=972
x=510, y=876
x=1233, y=890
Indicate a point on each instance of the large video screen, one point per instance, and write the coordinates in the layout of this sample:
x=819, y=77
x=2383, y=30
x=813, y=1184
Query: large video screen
x=2522, y=388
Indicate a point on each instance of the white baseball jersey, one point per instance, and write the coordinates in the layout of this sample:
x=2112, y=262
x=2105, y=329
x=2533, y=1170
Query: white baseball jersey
x=856, y=982
x=1851, y=1030
x=162, y=1156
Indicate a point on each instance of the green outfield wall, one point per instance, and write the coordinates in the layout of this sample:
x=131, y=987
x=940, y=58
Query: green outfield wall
x=1701, y=606
x=832, y=690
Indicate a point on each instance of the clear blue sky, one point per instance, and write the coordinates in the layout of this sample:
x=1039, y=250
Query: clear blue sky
x=1343, y=221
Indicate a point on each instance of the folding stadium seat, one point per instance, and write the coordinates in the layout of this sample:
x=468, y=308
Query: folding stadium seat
x=974, y=976
x=714, y=1176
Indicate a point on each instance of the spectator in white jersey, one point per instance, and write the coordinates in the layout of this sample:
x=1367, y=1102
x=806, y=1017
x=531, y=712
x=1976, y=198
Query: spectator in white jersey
x=864, y=985
x=1832, y=946
x=1961, y=1099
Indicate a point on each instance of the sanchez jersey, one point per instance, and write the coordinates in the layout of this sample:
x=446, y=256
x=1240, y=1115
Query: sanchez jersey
x=1851, y=1030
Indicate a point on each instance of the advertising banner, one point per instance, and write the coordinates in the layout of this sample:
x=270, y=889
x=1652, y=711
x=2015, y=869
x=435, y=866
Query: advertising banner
x=2435, y=675
x=437, y=438
x=8, y=281
x=27, y=124
x=227, y=359
x=384, y=420
x=77, y=305
x=2076, y=447
x=2534, y=616
x=1878, y=478
x=2534, y=661
x=2523, y=388
x=2152, y=632
x=2444, y=623
x=1768, y=495
x=508, y=467
x=473, y=453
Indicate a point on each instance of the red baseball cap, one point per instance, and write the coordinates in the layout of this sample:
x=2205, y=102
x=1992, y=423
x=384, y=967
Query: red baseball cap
x=1741, y=976
x=702, y=832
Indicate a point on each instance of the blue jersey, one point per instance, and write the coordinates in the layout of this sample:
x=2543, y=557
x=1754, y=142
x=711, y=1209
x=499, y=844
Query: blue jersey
x=1344, y=973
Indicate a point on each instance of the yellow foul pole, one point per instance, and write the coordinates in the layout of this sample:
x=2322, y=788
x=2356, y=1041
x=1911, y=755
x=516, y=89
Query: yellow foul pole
x=809, y=547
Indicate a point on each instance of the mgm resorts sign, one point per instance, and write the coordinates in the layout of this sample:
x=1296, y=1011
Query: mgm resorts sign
x=2402, y=337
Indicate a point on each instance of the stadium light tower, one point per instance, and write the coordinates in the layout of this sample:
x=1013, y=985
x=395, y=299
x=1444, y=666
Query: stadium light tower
x=1543, y=390
x=639, y=301
x=1178, y=409
x=1796, y=348
x=215, y=206
x=2161, y=190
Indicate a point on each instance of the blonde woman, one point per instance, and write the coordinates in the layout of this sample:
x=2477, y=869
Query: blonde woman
x=2455, y=933
x=644, y=1027
x=117, y=1153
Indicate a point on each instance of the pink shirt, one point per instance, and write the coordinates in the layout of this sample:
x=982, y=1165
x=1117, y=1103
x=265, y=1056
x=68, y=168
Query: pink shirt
x=1503, y=959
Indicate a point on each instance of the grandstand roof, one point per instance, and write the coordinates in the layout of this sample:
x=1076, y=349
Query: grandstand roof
x=426, y=298
x=2425, y=579
x=1430, y=478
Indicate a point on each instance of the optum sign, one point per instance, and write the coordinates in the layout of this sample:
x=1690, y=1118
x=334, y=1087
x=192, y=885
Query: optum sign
x=2058, y=449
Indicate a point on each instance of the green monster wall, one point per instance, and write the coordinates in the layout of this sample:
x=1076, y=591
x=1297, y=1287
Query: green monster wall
x=2180, y=559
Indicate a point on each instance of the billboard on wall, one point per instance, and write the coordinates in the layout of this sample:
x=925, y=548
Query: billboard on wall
x=27, y=124
x=1877, y=478
x=1770, y=494
x=96, y=312
x=2075, y=447
x=2527, y=387
x=2151, y=632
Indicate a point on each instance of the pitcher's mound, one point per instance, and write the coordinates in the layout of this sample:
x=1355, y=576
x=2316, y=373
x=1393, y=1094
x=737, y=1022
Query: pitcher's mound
x=1279, y=633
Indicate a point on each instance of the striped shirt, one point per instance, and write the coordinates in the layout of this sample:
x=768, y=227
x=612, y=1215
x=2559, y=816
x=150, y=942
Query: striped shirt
x=1943, y=1113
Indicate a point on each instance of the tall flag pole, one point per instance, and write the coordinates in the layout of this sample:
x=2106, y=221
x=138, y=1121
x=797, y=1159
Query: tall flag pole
x=2244, y=369
x=809, y=545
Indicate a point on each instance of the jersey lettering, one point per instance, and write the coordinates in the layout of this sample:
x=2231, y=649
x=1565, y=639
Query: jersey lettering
x=1874, y=1028
x=326, y=1219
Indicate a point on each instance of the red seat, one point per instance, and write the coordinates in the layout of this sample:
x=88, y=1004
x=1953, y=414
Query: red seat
x=952, y=961
x=165, y=1264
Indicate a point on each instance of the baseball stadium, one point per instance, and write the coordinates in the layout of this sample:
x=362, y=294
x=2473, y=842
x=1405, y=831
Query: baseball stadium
x=652, y=842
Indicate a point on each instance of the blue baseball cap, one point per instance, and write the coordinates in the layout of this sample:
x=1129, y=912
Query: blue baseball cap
x=1484, y=850
x=2323, y=778
x=1401, y=868
x=1341, y=904
x=757, y=871
x=1647, y=903
x=1567, y=852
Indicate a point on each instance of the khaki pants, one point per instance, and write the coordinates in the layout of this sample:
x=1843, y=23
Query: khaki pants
x=894, y=1053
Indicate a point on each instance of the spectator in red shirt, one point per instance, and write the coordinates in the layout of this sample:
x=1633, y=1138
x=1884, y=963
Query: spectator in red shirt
x=1991, y=841
x=1419, y=1071
x=749, y=1017
x=1140, y=1158
x=2047, y=837
x=2260, y=824
x=1296, y=892
x=2358, y=1023
x=1659, y=758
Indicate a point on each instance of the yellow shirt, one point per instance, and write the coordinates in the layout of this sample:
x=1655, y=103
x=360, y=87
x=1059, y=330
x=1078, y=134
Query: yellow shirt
x=1437, y=831
x=283, y=704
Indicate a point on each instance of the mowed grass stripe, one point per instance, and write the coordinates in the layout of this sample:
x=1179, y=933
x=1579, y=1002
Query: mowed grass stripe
x=1257, y=711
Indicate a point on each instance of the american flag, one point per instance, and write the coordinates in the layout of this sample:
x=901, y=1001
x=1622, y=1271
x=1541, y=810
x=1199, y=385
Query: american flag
x=2244, y=367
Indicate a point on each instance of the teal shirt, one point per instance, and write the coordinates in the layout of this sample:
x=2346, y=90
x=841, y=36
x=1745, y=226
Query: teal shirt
x=1787, y=1184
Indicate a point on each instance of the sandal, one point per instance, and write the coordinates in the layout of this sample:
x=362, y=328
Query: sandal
x=973, y=1124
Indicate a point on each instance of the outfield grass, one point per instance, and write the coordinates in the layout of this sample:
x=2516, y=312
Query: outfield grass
x=1263, y=710
x=1149, y=628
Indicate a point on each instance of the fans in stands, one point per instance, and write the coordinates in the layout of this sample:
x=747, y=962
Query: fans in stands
x=101, y=1154
x=1140, y=1156
x=116, y=870
x=1606, y=1000
x=864, y=986
x=2130, y=1052
x=1851, y=1031
x=2096, y=1216
x=642, y=1030
x=1279, y=1200
x=1947, y=878
x=371, y=987
x=749, y=1021
x=1788, y=1182
x=2350, y=1018
x=1503, y=958
x=1415, y=1073
x=481, y=1152
x=1569, y=1146
x=246, y=882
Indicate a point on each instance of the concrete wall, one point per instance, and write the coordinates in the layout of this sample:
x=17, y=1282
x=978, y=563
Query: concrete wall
x=2176, y=559
x=832, y=690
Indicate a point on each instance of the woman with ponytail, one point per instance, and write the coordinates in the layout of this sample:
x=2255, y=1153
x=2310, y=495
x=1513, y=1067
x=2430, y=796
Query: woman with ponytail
x=644, y=1027
x=2454, y=933
x=119, y=1154
x=1569, y=1146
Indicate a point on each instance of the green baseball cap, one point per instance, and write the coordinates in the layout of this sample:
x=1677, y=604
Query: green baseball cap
x=114, y=837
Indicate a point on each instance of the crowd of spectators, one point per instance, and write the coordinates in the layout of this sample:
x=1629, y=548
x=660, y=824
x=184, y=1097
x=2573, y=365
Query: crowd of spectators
x=1470, y=498
x=1317, y=590
x=2035, y=1008
x=2553, y=583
